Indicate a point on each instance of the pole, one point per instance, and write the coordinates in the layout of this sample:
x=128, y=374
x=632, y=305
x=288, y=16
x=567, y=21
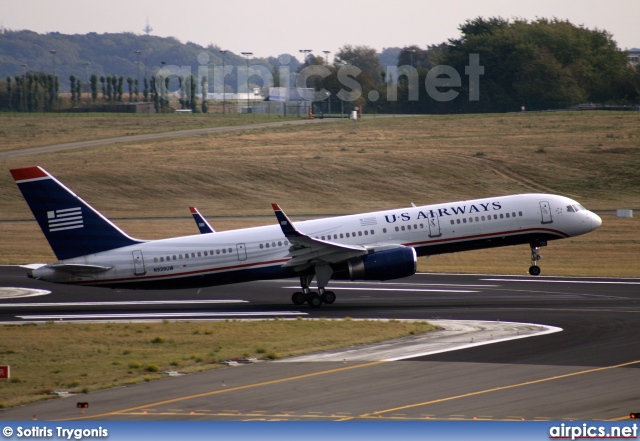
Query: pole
x=138, y=68
x=246, y=54
x=224, y=95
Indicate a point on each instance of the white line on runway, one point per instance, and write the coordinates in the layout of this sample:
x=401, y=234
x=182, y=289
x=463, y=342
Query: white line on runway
x=159, y=315
x=348, y=288
x=126, y=303
x=591, y=282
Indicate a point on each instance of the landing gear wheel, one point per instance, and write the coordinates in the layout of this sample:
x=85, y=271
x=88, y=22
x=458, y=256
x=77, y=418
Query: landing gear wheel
x=314, y=300
x=298, y=298
x=328, y=297
x=534, y=270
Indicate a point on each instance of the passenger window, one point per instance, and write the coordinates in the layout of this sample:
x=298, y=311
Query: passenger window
x=501, y=216
x=507, y=215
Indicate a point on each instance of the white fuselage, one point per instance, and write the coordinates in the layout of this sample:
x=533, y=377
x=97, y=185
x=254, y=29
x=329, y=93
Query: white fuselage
x=261, y=252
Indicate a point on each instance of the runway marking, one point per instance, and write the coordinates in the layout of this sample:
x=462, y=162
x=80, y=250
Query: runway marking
x=588, y=282
x=8, y=292
x=226, y=390
x=123, y=303
x=500, y=388
x=159, y=315
x=394, y=289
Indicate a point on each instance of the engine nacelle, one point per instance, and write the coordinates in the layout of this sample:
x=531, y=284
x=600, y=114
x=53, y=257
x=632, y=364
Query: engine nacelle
x=384, y=265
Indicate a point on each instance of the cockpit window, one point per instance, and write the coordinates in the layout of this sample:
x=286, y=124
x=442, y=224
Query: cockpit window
x=581, y=207
x=570, y=209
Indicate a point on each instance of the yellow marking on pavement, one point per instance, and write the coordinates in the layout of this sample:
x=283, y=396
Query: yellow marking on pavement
x=500, y=388
x=227, y=390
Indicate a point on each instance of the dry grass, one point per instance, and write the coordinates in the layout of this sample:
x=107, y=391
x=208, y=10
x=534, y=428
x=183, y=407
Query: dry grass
x=348, y=167
x=84, y=357
x=20, y=130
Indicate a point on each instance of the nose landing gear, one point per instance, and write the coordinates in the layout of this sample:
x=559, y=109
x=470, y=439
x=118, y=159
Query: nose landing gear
x=534, y=269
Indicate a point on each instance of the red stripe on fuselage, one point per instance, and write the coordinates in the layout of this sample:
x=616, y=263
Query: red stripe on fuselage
x=180, y=275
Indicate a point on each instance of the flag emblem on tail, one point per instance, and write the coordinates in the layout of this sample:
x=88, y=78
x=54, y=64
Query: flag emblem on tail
x=66, y=219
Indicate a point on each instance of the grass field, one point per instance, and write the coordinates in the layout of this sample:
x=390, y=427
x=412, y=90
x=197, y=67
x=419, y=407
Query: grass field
x=348, y=167
x=84, y=357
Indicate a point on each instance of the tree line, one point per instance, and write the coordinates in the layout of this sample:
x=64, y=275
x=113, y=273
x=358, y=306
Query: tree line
x=39, y=92
x=536, y=65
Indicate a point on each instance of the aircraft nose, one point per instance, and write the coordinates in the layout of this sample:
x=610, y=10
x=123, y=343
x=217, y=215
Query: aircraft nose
x=595, y=221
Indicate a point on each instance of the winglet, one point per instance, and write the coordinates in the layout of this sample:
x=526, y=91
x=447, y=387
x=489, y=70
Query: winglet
x=288, y=228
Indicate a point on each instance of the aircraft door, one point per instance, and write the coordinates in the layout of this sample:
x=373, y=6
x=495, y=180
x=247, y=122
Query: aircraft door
x=242, y=251
x=138, y=264
x=545, y=210
x=434, y=225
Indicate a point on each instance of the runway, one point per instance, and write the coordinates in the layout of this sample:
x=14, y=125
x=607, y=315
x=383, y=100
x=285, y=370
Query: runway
x=586, y=371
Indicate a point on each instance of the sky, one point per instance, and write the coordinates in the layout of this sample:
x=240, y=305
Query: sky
x=273, y=27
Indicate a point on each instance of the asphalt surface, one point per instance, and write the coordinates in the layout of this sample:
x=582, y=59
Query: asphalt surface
x=586, y=371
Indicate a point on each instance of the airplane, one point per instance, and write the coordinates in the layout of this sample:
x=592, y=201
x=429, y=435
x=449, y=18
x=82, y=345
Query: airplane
x=201, y=222
x=381, y=245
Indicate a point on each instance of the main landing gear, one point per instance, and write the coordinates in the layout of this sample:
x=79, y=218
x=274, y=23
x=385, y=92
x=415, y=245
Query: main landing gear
x=534, y=269
x=314, y=299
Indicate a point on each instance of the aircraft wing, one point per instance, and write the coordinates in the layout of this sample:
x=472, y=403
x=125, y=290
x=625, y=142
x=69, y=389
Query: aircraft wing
x=307, y=251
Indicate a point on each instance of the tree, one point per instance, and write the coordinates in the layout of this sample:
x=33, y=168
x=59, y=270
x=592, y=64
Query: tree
x=542, y=64
x=363, y=57
x=104, y=89
x=145, y=92
x=72, y=80
x=120, y=87
x=193, y=84
x=205, y=102
x=79, y=90
x=130, y=84
x=94, y=87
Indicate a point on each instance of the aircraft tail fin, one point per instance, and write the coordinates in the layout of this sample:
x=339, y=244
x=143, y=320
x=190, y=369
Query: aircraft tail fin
x=201, y=222
x=72, y=227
